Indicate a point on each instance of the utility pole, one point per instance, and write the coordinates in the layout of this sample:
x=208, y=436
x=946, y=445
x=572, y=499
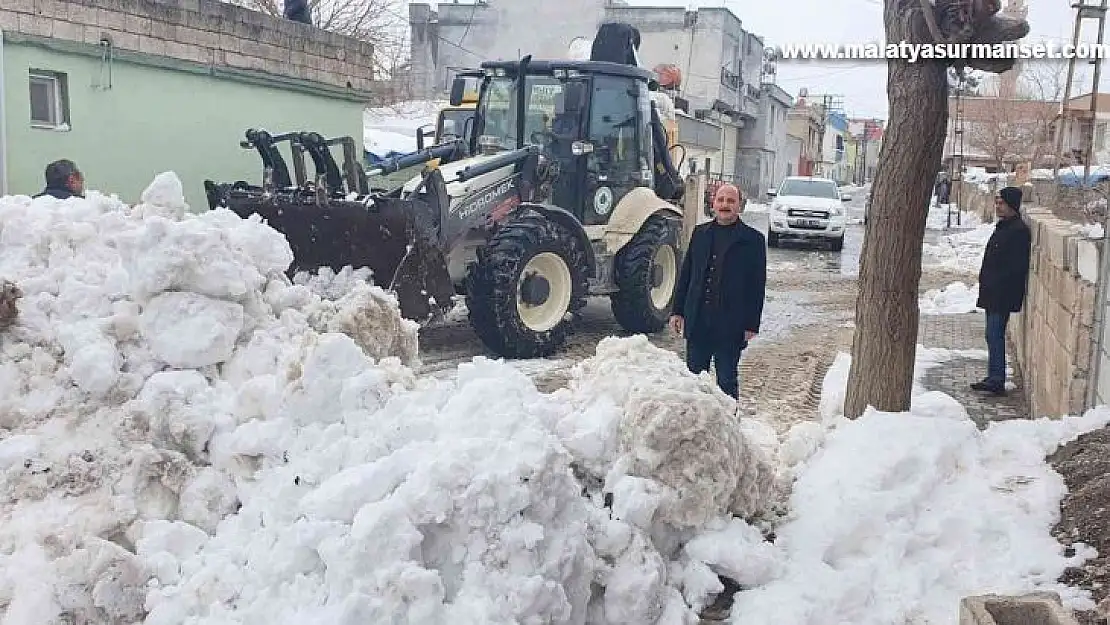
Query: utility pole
x=829, y=103
x=956, y=160
x=1083, y=10
x=821, y=136
x=1103, y=285
x=1099, y=14
x=862, y=167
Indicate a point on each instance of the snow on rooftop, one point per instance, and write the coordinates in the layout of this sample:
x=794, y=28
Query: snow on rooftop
x=187, y=436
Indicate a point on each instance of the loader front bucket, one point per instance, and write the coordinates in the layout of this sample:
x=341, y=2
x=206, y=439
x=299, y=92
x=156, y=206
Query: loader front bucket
x=396, y=238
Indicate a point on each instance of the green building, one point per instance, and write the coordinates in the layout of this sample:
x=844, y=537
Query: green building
x=131, y=88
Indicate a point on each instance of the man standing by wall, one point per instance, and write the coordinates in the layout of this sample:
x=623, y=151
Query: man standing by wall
x=1002, y=283
x=718, y=303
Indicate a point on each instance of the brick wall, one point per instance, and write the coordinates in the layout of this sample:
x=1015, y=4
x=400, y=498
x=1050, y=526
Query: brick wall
x=200, y=31
x=1052, y=338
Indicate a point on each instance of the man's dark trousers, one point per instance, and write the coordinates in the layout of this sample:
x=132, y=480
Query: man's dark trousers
x=705, y=345
x=996, y=346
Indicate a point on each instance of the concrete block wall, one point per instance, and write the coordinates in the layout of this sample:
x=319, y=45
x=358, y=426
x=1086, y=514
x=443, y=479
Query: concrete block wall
x=201, y=31
x=1052, y=338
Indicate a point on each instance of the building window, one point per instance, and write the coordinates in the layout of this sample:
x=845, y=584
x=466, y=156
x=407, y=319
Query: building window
x=49, y=100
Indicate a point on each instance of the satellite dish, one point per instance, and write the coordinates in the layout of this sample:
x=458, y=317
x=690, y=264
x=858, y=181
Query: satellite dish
x=580, y=49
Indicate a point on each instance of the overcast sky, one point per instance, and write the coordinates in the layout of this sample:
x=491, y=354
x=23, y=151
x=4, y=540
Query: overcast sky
x=862, y=83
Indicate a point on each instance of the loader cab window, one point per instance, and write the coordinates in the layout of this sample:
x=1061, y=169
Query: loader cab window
x=499, y=114
x=614, y=166
x=452, y=122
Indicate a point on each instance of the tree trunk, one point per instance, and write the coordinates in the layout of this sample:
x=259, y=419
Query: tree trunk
x=884, y=347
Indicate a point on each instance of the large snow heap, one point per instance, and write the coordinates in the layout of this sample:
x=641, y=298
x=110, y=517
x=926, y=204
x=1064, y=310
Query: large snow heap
x=188, y=436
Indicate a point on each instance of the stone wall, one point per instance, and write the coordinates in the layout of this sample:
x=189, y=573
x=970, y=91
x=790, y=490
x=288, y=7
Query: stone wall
x=200, y=31
x=1051, y=340
x=1069, y=203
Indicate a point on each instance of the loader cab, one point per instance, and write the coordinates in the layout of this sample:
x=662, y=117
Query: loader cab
x=455, y=121
x=592, y=119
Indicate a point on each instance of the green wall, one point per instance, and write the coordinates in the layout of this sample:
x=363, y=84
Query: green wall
x=155, y=119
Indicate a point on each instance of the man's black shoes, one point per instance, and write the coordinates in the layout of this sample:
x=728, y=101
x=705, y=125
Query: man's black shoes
x=990, y=386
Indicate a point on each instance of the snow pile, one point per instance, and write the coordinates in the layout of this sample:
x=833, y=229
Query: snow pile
x=462, y=501
x=676, y=429
x=961, y=252
x=954, y=299
x=192, y=437
x=896, y=517
x=147, y=340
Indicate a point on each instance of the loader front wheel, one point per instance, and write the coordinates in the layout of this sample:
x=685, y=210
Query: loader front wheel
x=523, y=286
x=647, y=274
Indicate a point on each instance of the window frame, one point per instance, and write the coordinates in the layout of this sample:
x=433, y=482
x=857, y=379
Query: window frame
x=58, y=90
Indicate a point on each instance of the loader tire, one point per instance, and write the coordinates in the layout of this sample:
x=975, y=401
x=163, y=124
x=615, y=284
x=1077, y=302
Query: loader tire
x=647, y=275
x=527, y=279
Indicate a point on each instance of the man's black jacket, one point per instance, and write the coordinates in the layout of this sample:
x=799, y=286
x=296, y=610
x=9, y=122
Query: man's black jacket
x=60, y=193
x=1005, y=267
x=743, y=285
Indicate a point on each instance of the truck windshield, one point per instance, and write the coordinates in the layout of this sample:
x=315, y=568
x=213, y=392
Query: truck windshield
x=809, y=188
x=499, y=107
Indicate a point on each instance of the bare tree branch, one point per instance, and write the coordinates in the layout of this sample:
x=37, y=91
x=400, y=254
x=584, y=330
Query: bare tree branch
x=1020, y=129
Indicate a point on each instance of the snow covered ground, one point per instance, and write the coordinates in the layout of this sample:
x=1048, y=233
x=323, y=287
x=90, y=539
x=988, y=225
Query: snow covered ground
x=186, y=436
x=939, y=219
x=960, y=252
x=392, y=129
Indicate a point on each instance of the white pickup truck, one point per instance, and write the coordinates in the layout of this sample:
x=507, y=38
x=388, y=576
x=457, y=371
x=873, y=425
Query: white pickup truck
x=808, y=208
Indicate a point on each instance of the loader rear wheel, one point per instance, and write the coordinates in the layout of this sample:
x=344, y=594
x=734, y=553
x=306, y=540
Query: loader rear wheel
x=527, y=279
x=647, y=274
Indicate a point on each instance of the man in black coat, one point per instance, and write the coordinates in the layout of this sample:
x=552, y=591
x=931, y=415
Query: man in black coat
x=63, y=180
x=1002, y=283
x=718, y=303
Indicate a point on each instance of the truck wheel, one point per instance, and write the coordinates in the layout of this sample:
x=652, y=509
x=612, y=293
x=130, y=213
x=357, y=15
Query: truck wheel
x=838, y=244
x=522, y=287
x=646, y=272
x=772, y=239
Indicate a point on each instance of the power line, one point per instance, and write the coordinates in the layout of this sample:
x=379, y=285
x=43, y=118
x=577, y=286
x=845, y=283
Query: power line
x=824, y=74
x=438, y=36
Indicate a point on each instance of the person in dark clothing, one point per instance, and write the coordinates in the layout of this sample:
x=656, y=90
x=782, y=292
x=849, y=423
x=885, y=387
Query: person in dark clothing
x=944, y=188
x=63, y=180
x=1002, y=283
x=718, y=302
